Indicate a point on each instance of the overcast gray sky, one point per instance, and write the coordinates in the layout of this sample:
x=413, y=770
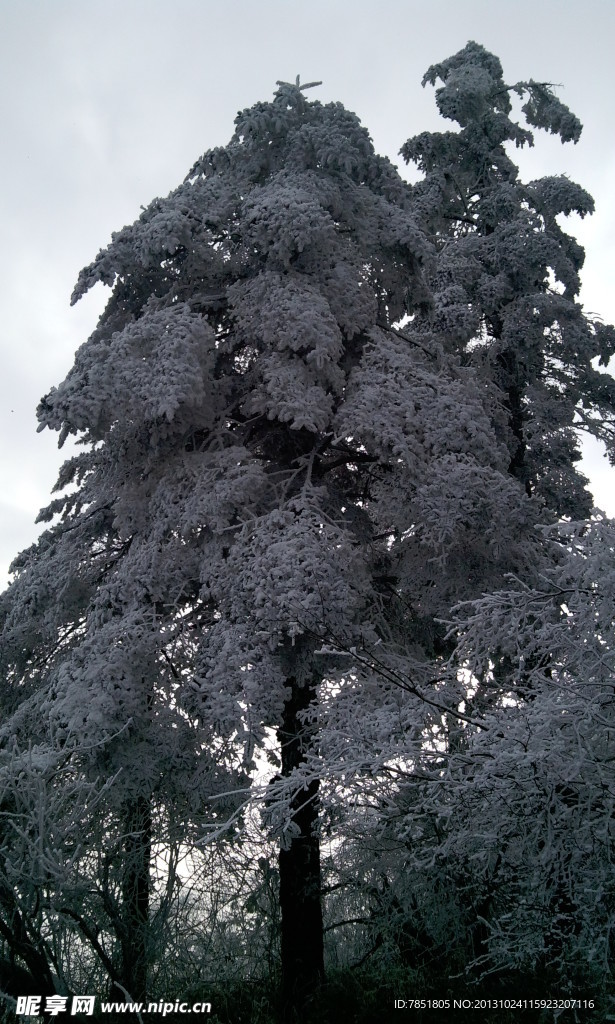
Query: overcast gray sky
x=105, y=104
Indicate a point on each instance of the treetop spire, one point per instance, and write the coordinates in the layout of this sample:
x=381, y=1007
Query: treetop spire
x=297, y=84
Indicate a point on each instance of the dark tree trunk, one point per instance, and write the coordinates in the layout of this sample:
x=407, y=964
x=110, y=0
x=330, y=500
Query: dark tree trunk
x=300, y=883
x=511, y=383
x=135, y=902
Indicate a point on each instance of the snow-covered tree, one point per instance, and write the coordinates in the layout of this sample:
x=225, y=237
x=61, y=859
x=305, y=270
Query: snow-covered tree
x=507, y=288
x=322, y=409
x=509, y=799
x=214, y=519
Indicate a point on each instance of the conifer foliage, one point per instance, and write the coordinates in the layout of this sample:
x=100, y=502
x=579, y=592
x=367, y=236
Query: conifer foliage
x=327, y=417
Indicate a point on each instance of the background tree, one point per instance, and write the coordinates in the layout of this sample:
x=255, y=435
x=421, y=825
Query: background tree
x=505, y=286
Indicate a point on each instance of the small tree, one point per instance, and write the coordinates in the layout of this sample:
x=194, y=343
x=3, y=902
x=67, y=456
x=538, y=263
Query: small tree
x=547, y=844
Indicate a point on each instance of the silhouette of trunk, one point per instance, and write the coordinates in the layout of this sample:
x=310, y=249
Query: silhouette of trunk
x=133, y=930
x=300, y=882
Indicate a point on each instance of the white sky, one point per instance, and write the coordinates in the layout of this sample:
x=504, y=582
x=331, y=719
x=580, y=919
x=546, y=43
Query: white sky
x=105, y=104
